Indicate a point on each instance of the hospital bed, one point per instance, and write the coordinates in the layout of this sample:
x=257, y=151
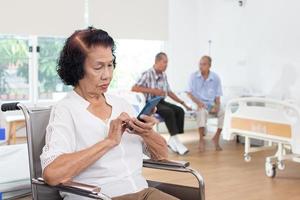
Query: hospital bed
x=14, y=171
x=273, y=121
x=36, y=122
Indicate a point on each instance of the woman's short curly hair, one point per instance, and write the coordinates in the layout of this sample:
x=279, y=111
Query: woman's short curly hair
x=72, y=57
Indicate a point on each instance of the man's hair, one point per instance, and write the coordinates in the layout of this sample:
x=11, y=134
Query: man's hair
x=208, y=58
x=72, y=57
x=159, y=56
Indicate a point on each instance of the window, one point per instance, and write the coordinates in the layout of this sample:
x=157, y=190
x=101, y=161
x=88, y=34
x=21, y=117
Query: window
x=50, y=85
x=14, y=62
x=30, y=75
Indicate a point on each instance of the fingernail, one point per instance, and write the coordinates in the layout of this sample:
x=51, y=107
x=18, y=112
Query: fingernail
x=142, y=116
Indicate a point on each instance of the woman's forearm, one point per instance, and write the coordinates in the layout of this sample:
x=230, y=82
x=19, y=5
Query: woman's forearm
x=67, y=166
x=156, y=145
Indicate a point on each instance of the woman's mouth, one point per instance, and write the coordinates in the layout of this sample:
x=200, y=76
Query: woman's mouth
x=104, y=86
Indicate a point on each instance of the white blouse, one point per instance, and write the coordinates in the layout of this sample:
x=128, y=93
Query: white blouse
x=73, y=128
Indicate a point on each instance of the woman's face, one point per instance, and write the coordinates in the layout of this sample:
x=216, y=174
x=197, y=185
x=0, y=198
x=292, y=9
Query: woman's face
x=98, y=68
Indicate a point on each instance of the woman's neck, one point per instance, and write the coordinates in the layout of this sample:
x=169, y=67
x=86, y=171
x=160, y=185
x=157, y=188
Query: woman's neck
x=89, y=96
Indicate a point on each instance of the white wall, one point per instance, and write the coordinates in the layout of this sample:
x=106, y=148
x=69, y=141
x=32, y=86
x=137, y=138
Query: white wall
x=131, y=19
x=255, y=46
x=182, y=46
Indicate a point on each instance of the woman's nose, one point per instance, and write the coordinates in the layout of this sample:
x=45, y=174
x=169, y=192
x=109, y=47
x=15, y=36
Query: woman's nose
x=106, y=73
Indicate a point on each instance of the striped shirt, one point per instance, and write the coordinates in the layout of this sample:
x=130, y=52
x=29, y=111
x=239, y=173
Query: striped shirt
x=154, y=80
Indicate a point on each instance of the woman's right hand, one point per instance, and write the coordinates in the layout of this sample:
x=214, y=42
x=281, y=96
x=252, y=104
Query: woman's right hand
x=117, y=128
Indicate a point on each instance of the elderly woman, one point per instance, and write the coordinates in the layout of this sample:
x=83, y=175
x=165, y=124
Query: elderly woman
x=87, y=138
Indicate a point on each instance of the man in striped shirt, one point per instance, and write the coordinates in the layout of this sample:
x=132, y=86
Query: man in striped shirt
x=154, y=82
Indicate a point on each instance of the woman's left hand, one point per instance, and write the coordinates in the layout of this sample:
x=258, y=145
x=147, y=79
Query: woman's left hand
x=142, y=128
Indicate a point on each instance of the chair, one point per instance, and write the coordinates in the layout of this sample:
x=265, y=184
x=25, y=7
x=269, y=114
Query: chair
x=15, y=123
x=36, y=123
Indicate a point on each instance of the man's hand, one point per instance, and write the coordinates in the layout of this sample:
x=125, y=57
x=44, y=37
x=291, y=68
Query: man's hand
x=187, y=107
x=200, y=105
x=214, y=109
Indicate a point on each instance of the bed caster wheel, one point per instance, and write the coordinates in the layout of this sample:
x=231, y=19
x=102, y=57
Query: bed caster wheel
x=270, y=170
x=247, y=157
x=280, y=165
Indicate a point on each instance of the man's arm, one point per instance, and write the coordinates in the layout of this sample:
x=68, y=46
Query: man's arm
x=191, y=96
x=153, y=91
x=217, y=105
x=199, y=103
x=173, y=96
x=218, y=101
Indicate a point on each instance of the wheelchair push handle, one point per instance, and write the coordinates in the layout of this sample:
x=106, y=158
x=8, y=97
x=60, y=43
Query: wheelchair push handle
x=10, y=106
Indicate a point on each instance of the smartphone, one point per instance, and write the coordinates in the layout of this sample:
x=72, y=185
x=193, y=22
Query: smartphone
x=150, y=105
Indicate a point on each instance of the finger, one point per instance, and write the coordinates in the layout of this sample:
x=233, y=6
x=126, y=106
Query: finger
x=154, y=110
x=148, y=119
x=136, y=128
x=124, y=117
x=144, y=125
x=117, y=125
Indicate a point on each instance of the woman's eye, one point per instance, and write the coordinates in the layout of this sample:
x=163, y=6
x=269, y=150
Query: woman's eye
x=98, y=67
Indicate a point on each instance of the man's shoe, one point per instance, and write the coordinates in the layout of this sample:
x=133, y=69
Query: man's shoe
x=172, y=144
x=181, y=149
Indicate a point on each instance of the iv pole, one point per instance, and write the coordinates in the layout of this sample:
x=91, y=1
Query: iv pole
x=209, y=47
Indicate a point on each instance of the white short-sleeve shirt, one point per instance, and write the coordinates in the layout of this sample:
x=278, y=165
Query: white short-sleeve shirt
x=73, y=128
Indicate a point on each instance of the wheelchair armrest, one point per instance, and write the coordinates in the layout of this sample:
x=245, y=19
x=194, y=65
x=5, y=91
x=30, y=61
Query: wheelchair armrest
x=166, y=164
x=177, y=166
x=77, y=188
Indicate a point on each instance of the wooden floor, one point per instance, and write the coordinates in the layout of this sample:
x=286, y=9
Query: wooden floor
x=228, y=177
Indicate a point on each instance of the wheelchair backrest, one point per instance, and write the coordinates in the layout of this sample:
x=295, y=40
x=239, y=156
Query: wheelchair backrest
x=36, y=124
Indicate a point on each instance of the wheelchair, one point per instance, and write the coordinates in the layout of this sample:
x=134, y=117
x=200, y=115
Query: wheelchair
x=36, y=122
